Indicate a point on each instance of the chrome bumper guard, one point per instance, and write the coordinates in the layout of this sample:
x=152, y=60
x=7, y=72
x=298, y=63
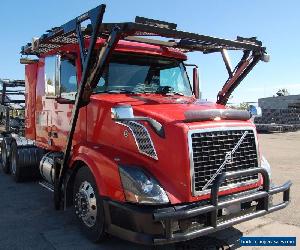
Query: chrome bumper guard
x=153, y=225
x=211, y=210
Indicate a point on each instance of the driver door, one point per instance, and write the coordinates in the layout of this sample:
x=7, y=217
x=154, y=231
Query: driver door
x=63, y=106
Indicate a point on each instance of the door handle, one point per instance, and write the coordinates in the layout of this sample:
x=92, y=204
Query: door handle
x=53, y=134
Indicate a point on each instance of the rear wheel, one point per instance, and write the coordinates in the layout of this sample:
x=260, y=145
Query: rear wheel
x=88, y=206
x=24, y=162
x=5, y=154
x=15, y=169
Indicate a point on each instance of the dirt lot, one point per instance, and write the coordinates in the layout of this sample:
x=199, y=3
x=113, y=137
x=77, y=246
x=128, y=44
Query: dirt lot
x=28, y=221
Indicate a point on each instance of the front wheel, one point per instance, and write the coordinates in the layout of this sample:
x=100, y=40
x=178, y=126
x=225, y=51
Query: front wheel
x=88, y=205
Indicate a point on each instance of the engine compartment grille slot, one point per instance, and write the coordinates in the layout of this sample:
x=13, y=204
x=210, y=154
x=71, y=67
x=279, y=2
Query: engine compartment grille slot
x=209, y=149
x=142, y=138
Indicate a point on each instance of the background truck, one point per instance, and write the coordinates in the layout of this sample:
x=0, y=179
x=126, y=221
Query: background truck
x=12, y=105
x=115, y=129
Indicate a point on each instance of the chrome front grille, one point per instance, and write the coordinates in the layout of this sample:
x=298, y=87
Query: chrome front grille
x=208, y=149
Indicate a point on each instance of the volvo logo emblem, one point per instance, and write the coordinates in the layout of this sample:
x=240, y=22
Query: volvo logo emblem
x=228, y=158
x=126, y=133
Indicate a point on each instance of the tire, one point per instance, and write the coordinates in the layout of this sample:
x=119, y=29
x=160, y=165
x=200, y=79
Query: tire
x=24, y=162
x=15, y=168
x=5, y=154
x=88, y=206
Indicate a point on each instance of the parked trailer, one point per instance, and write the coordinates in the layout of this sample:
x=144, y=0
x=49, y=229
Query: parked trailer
x=12, y=106
x=12, y=118
x=120, y=135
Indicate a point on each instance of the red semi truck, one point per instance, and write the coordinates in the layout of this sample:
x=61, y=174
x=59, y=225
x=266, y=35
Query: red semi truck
x=117, y=132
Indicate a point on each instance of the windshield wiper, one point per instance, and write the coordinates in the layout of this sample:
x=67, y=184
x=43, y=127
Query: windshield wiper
x=168, y=90
x=169, y=93
x=175, y=93
x=117, y=91
x=120, y=91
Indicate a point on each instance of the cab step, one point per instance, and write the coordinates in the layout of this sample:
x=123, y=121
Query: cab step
x=47, y=185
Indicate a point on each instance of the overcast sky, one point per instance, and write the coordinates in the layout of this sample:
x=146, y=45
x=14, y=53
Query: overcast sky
x=275, y=23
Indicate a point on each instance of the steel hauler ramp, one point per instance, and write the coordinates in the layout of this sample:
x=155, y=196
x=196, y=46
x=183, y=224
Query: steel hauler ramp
x=139, y=31
x=11, y=88
x=93, y=61
x=142, y=27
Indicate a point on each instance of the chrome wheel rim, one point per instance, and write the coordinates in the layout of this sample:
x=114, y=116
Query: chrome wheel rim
x=86, y=204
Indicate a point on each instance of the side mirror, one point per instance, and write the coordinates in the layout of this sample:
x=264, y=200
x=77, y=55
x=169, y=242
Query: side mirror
x=196, y=89
x=254, y=111
x=196, y=82
x=52, y=84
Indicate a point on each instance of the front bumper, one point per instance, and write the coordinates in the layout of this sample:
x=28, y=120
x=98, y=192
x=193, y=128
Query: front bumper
x=153, y=226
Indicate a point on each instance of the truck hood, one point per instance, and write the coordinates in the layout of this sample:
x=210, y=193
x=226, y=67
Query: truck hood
x=164, y=108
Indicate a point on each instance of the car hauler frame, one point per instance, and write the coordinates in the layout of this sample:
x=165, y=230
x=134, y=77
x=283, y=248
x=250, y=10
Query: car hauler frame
x=12, y=102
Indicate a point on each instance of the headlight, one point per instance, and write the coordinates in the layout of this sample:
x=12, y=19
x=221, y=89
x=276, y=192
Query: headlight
x=140, y=187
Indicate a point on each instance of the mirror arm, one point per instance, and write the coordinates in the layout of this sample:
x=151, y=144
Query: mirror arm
x=61, y=100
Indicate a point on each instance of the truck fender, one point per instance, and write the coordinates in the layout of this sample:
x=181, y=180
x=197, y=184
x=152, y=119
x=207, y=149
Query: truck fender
x=104, y=170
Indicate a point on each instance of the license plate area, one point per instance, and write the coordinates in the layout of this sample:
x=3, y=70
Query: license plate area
x=236, y=210
x=232, y=209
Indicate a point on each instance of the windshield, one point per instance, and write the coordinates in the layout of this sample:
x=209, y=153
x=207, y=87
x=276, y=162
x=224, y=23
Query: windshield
x=144, y=74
